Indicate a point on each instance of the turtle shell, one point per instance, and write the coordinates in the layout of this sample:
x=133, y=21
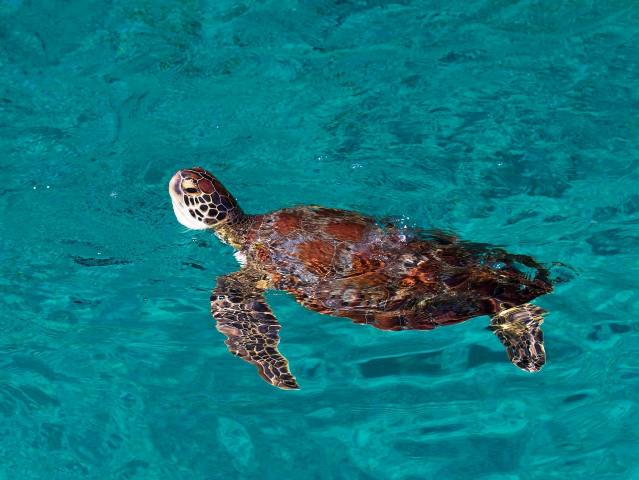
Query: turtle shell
x=345, y=264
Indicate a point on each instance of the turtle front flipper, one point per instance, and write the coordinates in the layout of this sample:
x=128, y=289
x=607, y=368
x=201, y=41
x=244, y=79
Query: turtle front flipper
x=242, y=314
x=519, y=330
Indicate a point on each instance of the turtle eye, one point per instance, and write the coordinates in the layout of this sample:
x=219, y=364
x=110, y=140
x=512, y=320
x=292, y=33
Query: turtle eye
x=189, y=186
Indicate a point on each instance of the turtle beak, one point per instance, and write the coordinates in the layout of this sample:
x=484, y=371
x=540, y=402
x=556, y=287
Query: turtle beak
x=175, y=185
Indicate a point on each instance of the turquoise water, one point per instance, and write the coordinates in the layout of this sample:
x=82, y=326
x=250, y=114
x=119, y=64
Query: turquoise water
x=514, y=123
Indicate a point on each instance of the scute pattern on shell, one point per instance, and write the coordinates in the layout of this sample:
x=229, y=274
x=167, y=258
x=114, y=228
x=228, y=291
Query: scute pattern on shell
x=345, y=264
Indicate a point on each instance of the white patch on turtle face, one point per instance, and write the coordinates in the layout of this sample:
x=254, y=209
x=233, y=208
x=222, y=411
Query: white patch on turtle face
x=240, y=257
x=180, y=209
x=184, y=217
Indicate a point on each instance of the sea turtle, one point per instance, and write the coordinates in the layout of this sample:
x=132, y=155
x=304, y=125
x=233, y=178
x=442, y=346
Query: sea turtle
x=345, y=264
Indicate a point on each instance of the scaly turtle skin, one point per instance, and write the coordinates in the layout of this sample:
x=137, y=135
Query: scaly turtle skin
x=345, y=264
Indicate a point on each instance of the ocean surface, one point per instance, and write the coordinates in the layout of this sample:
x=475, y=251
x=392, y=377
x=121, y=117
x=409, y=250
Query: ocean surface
x=509, y=122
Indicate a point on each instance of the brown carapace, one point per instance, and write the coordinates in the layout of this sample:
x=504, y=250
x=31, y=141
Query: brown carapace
x=344, y=264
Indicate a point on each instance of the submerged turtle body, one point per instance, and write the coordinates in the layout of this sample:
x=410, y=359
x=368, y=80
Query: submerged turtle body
x=345, y=264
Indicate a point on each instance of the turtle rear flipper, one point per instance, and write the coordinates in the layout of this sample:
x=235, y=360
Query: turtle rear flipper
x=519, y=330
x=242, y=314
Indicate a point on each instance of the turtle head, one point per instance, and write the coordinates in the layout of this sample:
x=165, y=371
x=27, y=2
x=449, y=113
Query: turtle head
x=200, y=201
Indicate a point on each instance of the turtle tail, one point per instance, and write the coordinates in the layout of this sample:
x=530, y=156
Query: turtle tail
x=519, y=330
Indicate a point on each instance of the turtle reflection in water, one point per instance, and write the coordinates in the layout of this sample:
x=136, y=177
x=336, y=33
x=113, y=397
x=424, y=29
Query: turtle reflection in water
x=345, y=264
